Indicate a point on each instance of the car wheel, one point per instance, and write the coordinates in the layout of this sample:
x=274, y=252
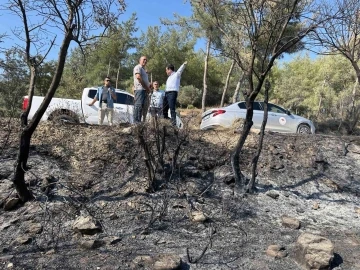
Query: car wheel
x=304, y=129
x=64, y=118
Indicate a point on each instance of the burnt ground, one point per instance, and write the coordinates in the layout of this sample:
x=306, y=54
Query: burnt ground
x=100, y=171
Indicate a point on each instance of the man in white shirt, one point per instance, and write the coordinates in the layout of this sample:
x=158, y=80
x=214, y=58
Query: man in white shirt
x=172, y=90
x=141, y=88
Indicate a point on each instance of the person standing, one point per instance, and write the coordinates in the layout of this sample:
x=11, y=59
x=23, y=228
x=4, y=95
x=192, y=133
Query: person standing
x=141, y=88
x=106, y=96
x=156, y=103
x=172, y=90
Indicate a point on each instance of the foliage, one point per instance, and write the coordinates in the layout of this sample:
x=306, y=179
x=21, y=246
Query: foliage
x=106, y=57
x=13, y=82
x=45, y=73
x=162, y=48
x=189, y=95
x=300, y=84
x=341, y=35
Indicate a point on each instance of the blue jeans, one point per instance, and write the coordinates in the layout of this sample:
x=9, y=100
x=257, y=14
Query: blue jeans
x=170, y=102
x=139, y=104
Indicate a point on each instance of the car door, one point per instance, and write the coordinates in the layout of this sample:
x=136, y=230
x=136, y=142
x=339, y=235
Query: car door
x=278, y=119
x=258, y=115
x=91, y=113
x=123, y=108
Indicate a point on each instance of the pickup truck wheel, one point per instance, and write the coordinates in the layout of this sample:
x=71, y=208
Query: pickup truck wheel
x=304, y=129
x=64, y=118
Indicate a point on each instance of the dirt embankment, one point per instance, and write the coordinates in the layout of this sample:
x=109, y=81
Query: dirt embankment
x=100, y=172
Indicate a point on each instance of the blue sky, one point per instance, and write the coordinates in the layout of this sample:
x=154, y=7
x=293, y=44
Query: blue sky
x=148, y=14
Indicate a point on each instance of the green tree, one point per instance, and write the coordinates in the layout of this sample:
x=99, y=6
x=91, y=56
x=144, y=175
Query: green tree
x=295, y=84
x=46, y=72
x=189, y=95
x=315, y=87
x=13, y=82
x=162, y=48
x=106, y=57
x=341, y=35
x=200, y=25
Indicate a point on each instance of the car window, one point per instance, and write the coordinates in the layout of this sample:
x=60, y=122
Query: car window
x=275, y=109
x=121, y=98
x=92, y=93
x=256, y=106
x=242, y=105
x=126, y=99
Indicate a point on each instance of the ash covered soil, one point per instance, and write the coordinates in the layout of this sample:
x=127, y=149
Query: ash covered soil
x=100, y=172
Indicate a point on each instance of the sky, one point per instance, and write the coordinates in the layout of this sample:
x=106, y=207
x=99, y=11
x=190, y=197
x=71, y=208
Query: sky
x=148, y=13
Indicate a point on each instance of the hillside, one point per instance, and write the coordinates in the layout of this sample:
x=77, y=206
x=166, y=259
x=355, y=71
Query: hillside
x=99, y=172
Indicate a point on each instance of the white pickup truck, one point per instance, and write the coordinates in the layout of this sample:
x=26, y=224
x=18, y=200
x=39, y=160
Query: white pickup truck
x=78, y=111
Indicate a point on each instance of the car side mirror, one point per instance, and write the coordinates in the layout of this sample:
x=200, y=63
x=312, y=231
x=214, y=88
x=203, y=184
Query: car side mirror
x=288, y=112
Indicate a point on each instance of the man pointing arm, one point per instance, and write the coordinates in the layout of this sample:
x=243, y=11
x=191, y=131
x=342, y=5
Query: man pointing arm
x=172, y=90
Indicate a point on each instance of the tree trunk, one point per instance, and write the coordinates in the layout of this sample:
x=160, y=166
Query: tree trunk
x=354, y=115
x=21, y=167
x=205, y=74
x=249, y=96
x=108, y=72
x=251, y=186
x=147, y=157
x=227, y=83
x=235, y=157
x=354, y=109
x=28, y=129
x=117, y=77
x=236, y=96
x=321, y=97
x=319, y=106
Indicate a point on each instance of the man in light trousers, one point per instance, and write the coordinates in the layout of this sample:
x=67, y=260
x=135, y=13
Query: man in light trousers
x=106, y=96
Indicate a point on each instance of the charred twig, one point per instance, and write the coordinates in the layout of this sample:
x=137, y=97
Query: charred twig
x=207, y=188
x=147, y=157
x=180, y=142
x=160, y=142
x=191, y=259
x=161, y=213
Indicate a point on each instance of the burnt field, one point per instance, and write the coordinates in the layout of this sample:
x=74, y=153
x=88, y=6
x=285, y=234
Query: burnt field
x=195, y=218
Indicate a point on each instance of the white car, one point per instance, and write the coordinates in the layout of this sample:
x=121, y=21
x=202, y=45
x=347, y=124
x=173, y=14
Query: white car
x=279, y=119
x=73, y=110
